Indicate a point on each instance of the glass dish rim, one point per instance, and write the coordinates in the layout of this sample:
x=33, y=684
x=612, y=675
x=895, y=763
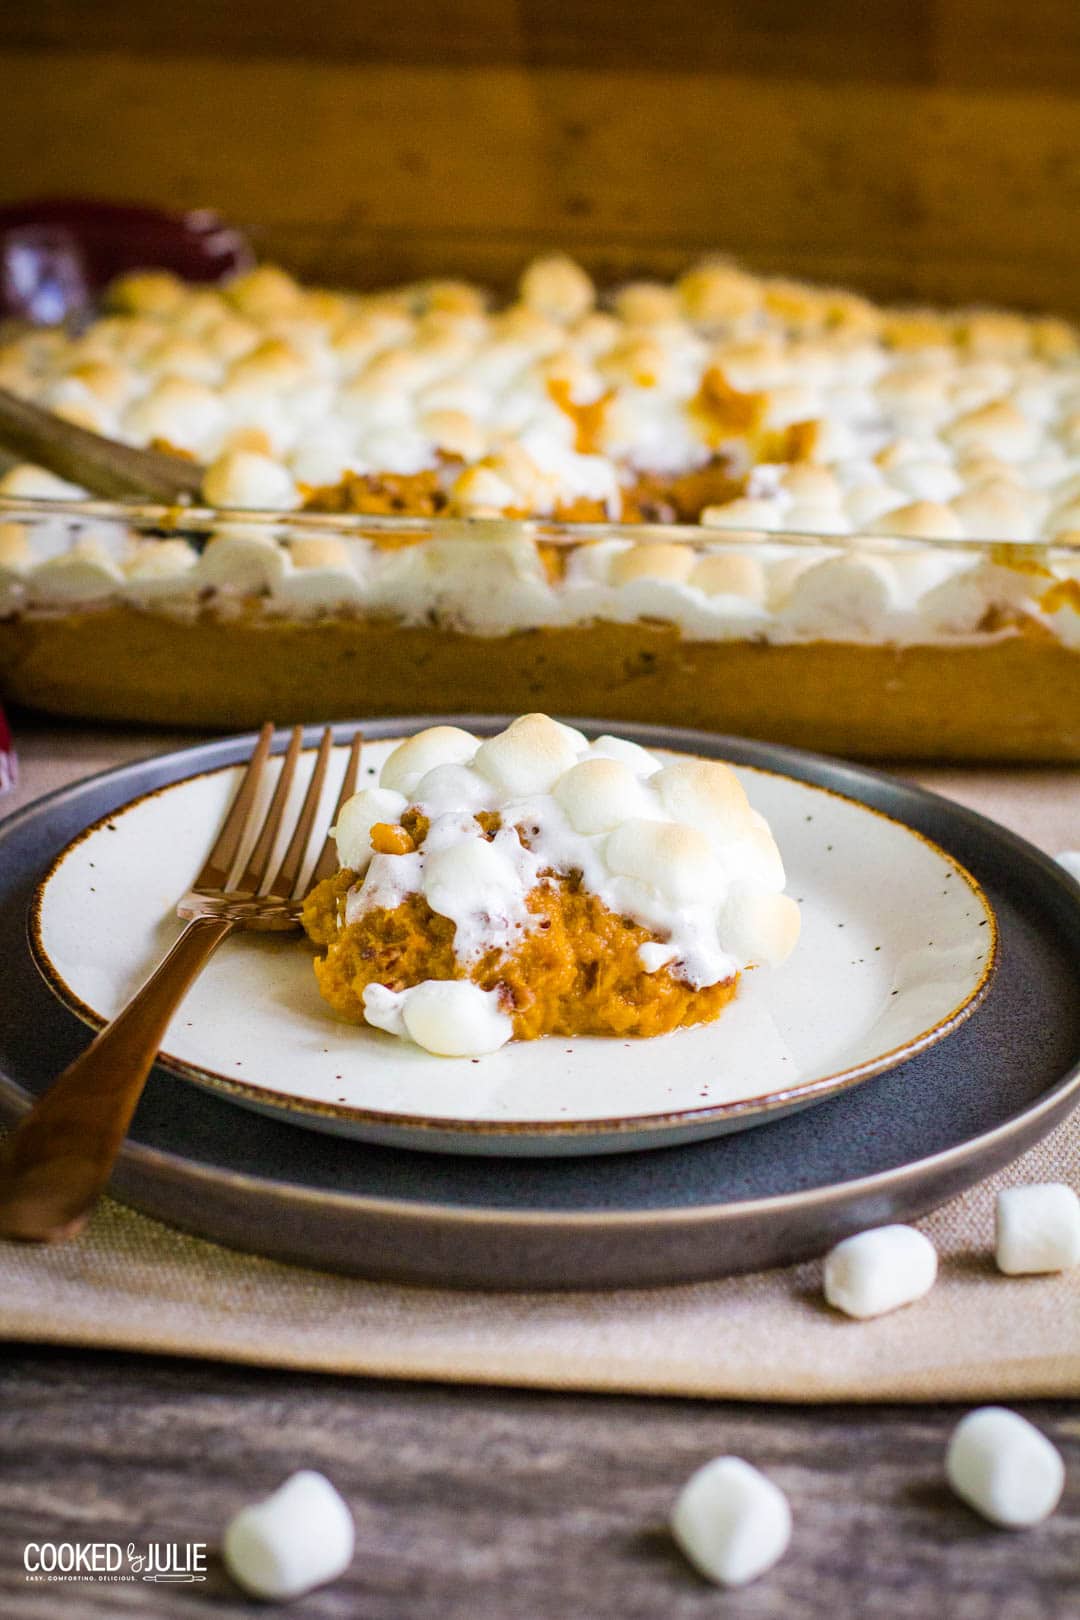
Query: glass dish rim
x=179, y=517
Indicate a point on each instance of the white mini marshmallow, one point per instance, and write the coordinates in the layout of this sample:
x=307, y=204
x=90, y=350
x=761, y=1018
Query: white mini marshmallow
x=731, y=1522
x=357, y=816
x=296, y=1539
x=411, y=760
x=672, y=859
x=880, y=1270
x=1070, y=860
x=599, y=793
x=245, y=564
x=453, y=787
x=761, y=928
x=37, y=484
x=455, y=1018
x=471, y=876
x=529, y=756
x=1038, y=1229
x=1003, y=1467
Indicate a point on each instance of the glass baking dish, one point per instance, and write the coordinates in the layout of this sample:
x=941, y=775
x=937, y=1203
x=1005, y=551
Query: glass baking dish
x=866, y=646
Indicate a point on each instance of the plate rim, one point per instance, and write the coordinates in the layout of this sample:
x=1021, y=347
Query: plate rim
x=675, y=1122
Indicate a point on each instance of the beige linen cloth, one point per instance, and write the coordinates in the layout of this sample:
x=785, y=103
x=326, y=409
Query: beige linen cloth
x=132, y=1283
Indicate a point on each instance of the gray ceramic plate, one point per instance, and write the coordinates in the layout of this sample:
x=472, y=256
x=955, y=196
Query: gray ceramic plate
x=897, y=949
x=890, y=1149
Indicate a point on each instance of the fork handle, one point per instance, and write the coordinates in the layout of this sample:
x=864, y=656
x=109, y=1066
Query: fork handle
x=60, y=1156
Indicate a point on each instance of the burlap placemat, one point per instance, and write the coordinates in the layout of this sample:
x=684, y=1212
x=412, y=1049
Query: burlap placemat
x=129, y=1282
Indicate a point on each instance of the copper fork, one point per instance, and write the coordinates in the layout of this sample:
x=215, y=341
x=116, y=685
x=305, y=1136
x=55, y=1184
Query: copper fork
x=59, y=1158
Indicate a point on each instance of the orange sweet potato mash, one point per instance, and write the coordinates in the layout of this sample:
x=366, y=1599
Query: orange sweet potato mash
x=576, y=973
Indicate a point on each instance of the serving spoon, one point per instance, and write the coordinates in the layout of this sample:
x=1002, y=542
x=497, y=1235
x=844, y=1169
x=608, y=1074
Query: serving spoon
x=100, y=465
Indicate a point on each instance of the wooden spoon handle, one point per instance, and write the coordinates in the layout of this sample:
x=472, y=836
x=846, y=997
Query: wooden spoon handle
x=103, y=466
x=59, y=1158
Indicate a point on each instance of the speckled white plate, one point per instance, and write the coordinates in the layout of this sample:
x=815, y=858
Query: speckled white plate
x=897, y=948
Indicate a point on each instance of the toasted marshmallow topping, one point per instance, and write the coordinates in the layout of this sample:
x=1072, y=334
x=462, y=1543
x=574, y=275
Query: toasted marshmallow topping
x=675, y=847
x=551, y=401
x=845, y=420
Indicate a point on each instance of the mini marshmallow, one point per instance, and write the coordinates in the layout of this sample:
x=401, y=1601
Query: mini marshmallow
x=880, y=1270
x=245, y=562
x=299, y=1538
x=453, y=787
x=745, y=513
x=867, y=502
x=264, y=293
x=357, y=816
x=1004, y=1467
x=83, y=574
x=240, y=478
x=146, y=292
x=927, y=480
x=674, y=860
x=599, y=793
x=412, y=759
x=730, y=573
x=714, y=294
x=1070, y=860
x=186, y=413
x=647, y=303
x=1038, y=1229
x=480, y=491
x=30, y=482
x=761, y=928
x=529, y=756
x=558, y=288
x=455, y=1018
x=844, y=594
x=731, y=1522
x=704, y=794
x=471, y=876
x=653, y=562
x=922, y=519
x=996, y=511
x=998, y=428
x=320, y=551
x=163, y=560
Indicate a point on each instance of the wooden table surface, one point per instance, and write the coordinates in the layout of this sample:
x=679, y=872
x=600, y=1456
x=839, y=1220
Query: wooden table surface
x=514, y=1505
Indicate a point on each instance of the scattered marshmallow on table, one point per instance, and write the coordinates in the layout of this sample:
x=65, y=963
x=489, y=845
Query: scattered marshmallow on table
x=880, y=1270
x=731, y=1522
x=1038, y=1229
x=296, y=1539
x=1003, y=1467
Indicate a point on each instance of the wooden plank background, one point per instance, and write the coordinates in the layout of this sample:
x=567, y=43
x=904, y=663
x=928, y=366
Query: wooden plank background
x=915, y=148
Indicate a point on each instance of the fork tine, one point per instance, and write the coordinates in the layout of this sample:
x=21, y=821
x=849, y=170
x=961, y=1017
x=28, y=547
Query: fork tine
x=259, y=860
x=328, y=860
x=286, y=879
x=215, y=873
